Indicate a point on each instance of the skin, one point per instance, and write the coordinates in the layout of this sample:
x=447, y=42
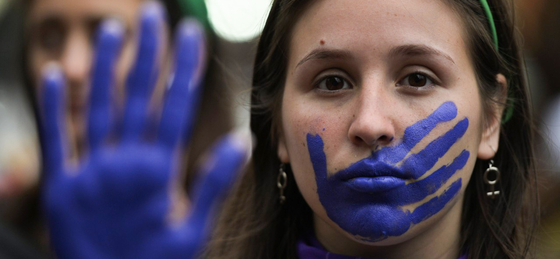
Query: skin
x=376, y=103
x=64, y=31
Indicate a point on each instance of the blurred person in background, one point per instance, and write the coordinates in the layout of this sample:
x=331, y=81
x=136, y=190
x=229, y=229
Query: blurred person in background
x=64, y=31
x=539, y=24
x=117, y=202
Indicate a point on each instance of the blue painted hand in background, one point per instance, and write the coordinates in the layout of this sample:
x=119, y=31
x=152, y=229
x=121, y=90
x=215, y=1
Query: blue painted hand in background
x=116, y=202
x=366, y=198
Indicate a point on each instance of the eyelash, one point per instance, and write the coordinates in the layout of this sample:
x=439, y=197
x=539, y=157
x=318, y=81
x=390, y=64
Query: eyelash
x=430, y=82
x=318, y=83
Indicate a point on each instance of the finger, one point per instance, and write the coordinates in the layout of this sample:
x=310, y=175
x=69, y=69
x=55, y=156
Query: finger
x=418, y=164
x=416, y=132
x=183, y=96
x=109, y=41
x=435, y=204
x=315, y=147
x=143, y=74
x=219, y=173
x=417, y=191
x=53, y=130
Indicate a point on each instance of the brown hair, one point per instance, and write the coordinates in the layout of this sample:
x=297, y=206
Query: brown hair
x=254, y=224
x=504, y=227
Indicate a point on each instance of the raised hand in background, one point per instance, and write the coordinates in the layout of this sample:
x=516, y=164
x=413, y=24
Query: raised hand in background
x=116, y=202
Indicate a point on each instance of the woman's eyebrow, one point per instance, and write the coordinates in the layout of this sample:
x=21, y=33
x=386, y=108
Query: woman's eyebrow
x=325, y=54
x=417, y=50
x=35, y=22
x=409, y=50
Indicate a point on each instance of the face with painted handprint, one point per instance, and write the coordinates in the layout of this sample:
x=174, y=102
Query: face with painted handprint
x=382, y=121
x=375, y=189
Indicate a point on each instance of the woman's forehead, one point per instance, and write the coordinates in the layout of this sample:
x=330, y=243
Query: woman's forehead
x=371, y=27
x=75, y=10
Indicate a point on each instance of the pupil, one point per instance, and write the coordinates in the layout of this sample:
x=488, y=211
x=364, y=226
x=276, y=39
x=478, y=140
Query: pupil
x=334, y=83
x=417, y=80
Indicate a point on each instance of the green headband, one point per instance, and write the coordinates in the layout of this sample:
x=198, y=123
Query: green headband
x=509, y=111
x=490, y=21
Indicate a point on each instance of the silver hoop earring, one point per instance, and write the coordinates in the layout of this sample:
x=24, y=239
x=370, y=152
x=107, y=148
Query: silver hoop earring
x=492, y=192
x=281, y=182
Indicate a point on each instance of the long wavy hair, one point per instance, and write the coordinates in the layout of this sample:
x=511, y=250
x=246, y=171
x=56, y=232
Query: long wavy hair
x=253, y=224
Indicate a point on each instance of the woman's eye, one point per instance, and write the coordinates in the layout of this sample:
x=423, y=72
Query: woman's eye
x=94, y=31
x=51, y=36
x=417, y=80
x=333, y=83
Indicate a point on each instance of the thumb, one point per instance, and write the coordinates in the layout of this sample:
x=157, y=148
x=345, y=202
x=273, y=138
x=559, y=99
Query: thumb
x=218, y=175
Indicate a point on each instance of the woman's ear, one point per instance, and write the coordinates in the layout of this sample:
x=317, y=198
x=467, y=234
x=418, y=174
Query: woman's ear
x=283, y=150
x=491, y=132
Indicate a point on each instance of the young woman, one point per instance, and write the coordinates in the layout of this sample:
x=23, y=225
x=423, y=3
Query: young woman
x=386, y=129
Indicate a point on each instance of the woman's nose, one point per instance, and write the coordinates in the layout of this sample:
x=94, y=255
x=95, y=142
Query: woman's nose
x=76, y=58
x=372, y=124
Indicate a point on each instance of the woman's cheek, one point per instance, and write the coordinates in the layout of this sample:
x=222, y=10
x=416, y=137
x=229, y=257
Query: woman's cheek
x=296, y=128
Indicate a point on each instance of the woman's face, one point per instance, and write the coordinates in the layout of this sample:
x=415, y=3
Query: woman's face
x=64, y=31
x=382, y=119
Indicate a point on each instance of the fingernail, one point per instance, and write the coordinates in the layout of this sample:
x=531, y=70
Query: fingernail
x=190, y=31
x=113, y=27
x=52, y=85
x=153, y=10
x=52, y=72
x=191, y=26
x=191, y=34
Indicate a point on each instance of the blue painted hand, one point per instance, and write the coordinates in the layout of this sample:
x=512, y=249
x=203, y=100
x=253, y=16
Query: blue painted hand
x=116, y=203
x=366, y=198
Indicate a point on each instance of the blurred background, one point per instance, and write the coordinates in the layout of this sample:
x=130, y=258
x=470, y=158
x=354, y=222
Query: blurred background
x=235, y=26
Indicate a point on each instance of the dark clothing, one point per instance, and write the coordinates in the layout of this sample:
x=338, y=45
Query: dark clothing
x=12, y=246
x=310, y=248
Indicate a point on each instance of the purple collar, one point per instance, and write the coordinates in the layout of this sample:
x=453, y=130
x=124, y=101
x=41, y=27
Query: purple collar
x=312, y=249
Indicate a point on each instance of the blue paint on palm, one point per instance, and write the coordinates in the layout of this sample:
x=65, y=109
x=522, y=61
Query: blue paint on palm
x=377, y=215
x=116, y=203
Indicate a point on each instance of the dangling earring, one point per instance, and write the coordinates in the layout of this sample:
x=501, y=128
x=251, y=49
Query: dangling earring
x=492, y=193
x=281, y=183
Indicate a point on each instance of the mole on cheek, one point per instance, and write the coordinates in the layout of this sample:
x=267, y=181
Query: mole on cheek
x=322, y=42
